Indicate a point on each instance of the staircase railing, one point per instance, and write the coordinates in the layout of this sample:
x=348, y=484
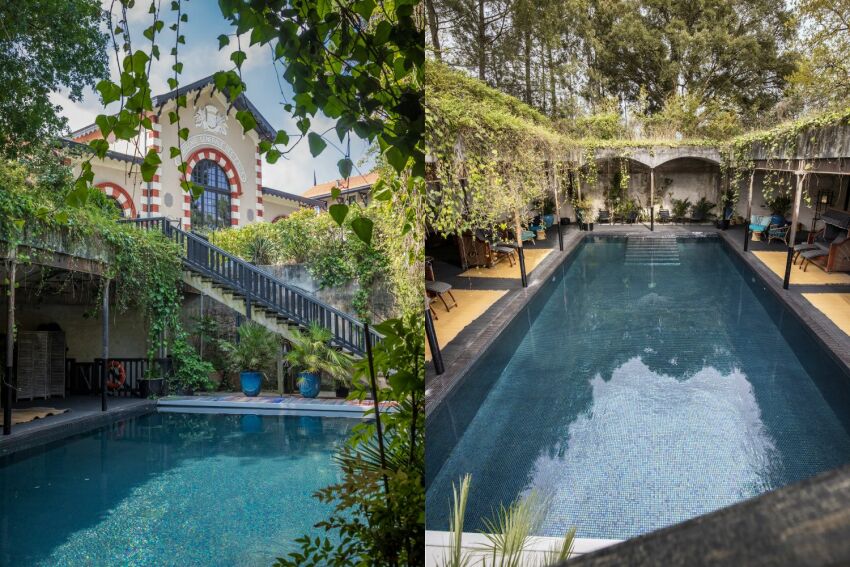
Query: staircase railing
x=260, y=288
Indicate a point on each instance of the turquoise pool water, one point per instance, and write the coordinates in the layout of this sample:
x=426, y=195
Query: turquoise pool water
x=169, y=489
x=637, y=392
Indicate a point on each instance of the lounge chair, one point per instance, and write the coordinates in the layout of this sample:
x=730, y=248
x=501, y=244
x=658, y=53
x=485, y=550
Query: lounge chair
x=828, y=247
x=604, y=216
x=663, y=215
x=834, y=258
x=436, y=289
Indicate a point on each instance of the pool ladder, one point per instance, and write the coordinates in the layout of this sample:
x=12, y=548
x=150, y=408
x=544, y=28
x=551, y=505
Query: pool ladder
x=652, y=251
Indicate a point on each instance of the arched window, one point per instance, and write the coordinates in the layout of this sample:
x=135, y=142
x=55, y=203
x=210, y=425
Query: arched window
x=212, y=209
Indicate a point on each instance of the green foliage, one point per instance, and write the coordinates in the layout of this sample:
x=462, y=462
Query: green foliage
x=379, y=514
x=703, y=207
x=489, y=151
x=508, y=533
x=257, y=349
x=822, y=79
x=39, y=56
x=312, y=352
x=600, y=126
x=190, y=372
x=333, y=254
x=681, y=208
x=144, y=265
x=692, y=116
x=780, y=203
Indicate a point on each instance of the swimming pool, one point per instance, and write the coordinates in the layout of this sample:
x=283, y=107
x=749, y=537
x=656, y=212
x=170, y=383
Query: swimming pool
x=637, y=391
x=169, y=489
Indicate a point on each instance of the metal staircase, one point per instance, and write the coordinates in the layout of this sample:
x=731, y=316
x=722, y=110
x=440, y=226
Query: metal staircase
x=652, y=251
x=256, y=294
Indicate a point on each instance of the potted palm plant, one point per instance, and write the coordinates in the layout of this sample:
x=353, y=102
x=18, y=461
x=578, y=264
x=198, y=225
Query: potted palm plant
x=312, y=355
x=256, y=351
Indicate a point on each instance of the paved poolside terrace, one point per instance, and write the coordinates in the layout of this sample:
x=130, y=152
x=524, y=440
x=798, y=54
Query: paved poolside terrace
x=84, y=412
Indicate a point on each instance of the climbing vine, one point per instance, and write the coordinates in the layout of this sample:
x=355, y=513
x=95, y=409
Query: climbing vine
x=145, y=266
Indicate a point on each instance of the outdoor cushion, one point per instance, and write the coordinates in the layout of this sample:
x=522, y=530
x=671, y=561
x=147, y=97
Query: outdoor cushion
x=759, y=223
x=804, y=246
x=809, y=254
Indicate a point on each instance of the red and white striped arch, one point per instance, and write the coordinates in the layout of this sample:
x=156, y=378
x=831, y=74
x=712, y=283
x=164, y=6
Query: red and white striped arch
x=121, y=196
x=232, y=178
x=259, y=161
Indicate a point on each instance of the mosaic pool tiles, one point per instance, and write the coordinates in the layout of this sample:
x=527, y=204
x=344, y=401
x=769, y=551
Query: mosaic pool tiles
x=170, y=490
x=636, y=397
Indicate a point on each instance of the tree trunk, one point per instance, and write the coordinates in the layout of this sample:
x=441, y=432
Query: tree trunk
x=482, y=41
x=434, y=28
x=527, y=63
x=553, y=101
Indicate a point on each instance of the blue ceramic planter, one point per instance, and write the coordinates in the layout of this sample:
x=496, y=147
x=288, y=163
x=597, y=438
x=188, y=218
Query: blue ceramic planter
x=777, y=220
x=548, y=220
x=251, y=382
x=308, y=384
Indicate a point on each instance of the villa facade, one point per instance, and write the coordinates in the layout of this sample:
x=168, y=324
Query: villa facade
x=221, y=158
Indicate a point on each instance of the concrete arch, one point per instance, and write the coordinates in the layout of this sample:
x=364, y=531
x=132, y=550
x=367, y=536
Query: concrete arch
x=121, y=196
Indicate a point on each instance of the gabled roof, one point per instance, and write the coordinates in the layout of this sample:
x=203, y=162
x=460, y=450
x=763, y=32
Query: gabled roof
x=350, y=185
x=110, y=154
x=265, y=130
x=292, y=197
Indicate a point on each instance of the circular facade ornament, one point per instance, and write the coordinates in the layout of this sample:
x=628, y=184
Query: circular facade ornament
x=169, y=199
x=250, y=214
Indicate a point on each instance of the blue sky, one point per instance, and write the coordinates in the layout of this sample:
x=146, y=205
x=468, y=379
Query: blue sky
x=201, y=57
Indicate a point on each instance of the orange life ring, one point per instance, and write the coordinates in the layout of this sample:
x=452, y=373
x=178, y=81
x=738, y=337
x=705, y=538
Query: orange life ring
x=117, y=375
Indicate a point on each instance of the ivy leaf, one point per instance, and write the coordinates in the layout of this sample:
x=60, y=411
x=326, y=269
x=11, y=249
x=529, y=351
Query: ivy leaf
x=183, y=133
x=238, y=57
x=344, y=165
x=246, y=119
x=362, y=227
x=223, y=40
x=272, y=156
x=109, y=91
x=396, y=158
x=104, y=124
x=281, y=138
x=338, y=213
x=317, y=144
x=100, y=147
x=174, y=152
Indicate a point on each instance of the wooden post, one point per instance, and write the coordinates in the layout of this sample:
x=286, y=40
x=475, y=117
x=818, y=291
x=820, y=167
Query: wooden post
x=520, y=252
x=6, y=386
x=105, y=341
x=376, y=400
x=749, y=212
x=651, y=199
x=798, y=194
x=433, y=344
x=555, y=189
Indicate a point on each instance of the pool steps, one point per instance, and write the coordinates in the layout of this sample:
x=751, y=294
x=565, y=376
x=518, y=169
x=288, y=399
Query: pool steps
x=652, y=251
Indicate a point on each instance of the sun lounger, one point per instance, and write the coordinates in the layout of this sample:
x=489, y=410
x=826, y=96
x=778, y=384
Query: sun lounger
x=604, y=216
x=663, y=215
